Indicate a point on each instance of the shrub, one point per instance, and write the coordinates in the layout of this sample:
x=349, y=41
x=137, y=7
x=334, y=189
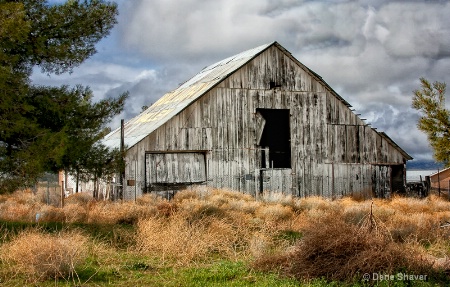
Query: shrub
x=274, y=212
x=41, y=256
x=118, y=212
x=75, y=213
x=176, y=239
x=166, y=208
x=48, y=213
x=80, y=198
x=186, y=195
x=336, y=250
x=13, y=211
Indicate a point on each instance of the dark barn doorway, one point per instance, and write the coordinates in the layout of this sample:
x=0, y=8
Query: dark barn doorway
x=276, y=136
x=397, y=178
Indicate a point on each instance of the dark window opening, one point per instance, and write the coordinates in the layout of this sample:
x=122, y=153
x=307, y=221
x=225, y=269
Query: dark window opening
x=273, y=85
x=276, y=136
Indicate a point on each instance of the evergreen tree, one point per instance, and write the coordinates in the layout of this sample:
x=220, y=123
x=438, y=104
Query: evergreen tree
x=49, y=128
x=435, y=119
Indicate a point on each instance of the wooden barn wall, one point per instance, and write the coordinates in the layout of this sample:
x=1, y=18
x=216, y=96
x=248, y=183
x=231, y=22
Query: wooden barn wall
x=333, y=152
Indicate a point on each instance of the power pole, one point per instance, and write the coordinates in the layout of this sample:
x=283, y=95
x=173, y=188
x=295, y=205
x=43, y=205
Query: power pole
x=122, y=166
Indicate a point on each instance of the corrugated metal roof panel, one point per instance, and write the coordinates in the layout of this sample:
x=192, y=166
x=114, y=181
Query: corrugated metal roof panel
x=174, y=102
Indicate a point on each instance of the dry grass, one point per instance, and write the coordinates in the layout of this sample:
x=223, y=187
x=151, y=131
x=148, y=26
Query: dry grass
x=19, y=207
x=79, y=208
x=197, y=227
x=346, y=238
x=337, y=250
x=41, y=256
x=306, y=238
x=183, y=242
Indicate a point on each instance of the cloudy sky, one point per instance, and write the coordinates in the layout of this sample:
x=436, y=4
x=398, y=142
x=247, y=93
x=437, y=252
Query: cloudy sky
x=371, y=52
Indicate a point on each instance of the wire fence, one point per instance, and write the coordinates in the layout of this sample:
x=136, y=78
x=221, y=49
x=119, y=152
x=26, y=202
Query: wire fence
x=440, y=188
x=275, y=182
x=305, y=186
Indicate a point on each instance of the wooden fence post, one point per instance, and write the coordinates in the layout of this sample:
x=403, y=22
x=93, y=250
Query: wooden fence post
x=62, y=193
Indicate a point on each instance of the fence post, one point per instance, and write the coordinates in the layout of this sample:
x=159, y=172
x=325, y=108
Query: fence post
x=333, y=194
x=62, y=193
x=48, y=192
x=439, y=184
x=135, y=179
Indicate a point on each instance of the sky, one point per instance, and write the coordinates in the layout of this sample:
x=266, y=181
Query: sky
x=372, y=53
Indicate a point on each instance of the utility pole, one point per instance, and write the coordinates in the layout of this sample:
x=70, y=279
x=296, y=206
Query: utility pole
x=122, y=166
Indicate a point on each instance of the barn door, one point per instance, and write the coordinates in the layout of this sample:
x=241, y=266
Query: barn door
x=179, y=168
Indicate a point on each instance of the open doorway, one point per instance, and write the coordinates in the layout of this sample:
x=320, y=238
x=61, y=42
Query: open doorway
x=274, y=133
x=397, y=178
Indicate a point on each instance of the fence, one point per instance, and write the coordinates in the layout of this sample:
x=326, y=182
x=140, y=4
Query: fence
x=277, y=181
x=440, y=188
x=48, y=189
x=271, y=182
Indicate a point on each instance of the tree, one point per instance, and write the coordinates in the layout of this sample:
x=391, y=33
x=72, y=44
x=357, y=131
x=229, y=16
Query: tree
x=435, y=119
x=101, y=163
x=49, y=128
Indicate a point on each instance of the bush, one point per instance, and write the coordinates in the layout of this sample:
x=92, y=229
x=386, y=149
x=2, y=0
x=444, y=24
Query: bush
x=41, y=256
x=336, y=250
x=177, y=239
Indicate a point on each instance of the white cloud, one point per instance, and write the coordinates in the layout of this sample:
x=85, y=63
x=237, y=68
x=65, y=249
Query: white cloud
x=372, y=52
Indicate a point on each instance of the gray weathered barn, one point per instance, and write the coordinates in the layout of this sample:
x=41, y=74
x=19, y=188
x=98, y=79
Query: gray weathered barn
x=259, y=120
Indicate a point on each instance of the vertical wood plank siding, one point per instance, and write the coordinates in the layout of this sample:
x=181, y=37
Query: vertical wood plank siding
x=333, y=152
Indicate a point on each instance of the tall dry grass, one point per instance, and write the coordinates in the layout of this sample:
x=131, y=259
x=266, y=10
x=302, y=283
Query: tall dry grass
x=41, y=256
x=346, y=238
x=337, y=250
x=25, y=206
x=312, y=234
x=176, y=239
x=220, y=224
x=19, y=206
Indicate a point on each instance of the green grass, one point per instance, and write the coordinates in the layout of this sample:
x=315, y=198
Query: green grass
x=139, y=271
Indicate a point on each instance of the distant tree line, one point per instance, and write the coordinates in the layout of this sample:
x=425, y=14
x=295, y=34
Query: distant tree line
x=43, y=128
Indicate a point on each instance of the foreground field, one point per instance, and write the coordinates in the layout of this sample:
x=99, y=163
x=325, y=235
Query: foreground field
x=222, y=238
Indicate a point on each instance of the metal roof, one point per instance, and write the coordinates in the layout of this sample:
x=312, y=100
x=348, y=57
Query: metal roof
x=174, y=102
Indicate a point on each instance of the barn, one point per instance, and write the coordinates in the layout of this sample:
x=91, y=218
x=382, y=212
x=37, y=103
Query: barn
x=440, y=182
x=254, y=122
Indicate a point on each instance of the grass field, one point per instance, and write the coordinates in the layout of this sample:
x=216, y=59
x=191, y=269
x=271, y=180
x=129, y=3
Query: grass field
x=222, y=238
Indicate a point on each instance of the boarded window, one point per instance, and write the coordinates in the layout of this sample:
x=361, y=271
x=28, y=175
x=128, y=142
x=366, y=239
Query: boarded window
x=175, y=168
x=276, y=136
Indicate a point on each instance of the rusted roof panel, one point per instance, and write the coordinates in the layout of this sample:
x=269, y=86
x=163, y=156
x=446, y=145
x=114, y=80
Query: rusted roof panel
x=176, y=101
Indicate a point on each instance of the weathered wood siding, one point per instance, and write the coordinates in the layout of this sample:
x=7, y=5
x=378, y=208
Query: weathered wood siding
x=333, y=152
